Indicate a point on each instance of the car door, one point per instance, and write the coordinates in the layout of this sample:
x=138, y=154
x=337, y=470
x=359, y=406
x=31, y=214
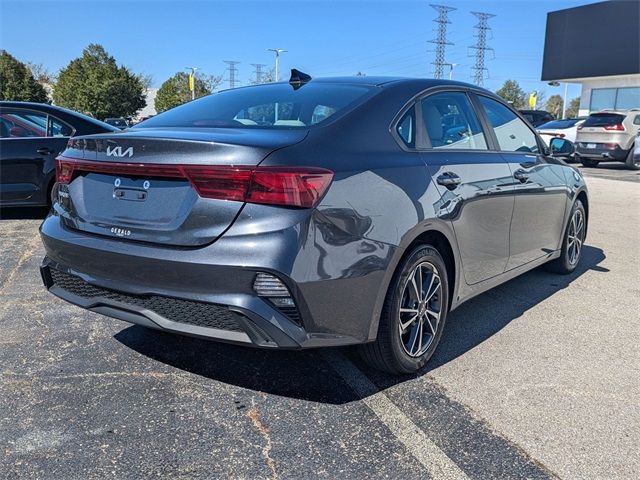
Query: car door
x=474, y=181
x=540, y=187
x=29, y=143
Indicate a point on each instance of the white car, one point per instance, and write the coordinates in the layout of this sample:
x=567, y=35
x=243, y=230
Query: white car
x=566, y=129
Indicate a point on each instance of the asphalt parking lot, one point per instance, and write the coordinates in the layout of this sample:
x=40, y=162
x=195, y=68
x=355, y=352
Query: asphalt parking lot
x=537, y=378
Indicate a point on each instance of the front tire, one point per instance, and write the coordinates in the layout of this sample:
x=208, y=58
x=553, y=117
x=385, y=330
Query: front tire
x=572, y=242
x=413, y=315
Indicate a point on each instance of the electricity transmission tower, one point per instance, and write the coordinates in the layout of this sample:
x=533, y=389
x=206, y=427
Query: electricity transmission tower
x=481, y=46
x=233, y=71
x=258, y=71
x=441, y=38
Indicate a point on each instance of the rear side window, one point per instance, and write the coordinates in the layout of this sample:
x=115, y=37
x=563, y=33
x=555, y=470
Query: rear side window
x=58, y=128
x=559, y=124
x=603, y=120
x=451, y=122
x=265, y=106
x=22, y=124
x=512, y=133
x=407, y=128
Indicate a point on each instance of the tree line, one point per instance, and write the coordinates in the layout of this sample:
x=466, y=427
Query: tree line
x=516, y=96
x=96, y=85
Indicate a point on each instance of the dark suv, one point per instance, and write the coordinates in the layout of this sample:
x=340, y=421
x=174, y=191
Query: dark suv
x=537, y=117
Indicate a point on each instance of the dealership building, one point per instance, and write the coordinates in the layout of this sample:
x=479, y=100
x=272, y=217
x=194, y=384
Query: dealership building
x=597, y=46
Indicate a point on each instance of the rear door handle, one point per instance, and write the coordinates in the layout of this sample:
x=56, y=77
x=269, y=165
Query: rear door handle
x=44, y=151
x=449, y=180
x=521, y=175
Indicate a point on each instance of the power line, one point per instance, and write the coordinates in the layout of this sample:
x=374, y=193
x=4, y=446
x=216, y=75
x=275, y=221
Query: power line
x=232, y=72
x=481, y=46
x=441, y=38
x=258, y=71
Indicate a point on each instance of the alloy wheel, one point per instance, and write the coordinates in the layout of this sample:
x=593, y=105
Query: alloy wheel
x=575, y=237
x=420, y=309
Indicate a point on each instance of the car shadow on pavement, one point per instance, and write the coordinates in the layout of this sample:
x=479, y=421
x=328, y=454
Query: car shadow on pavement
x=23, y=213
x=309, y=375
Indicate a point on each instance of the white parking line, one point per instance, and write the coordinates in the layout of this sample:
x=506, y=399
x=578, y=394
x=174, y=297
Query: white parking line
x=432, y=458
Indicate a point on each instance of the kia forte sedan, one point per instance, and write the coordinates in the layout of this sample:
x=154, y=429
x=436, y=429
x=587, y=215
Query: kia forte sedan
x=313, y=213
x=32, y=135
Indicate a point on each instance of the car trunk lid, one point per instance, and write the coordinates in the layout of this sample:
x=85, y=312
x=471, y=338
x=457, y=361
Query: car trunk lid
x=148, y=186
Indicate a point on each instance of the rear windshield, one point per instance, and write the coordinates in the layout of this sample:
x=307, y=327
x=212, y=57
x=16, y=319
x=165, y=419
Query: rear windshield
x=559, y=124
x=263, y=106
x=603, y=120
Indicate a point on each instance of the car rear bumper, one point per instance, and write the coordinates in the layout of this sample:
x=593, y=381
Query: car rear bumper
x=602, y=152
x=208, y=292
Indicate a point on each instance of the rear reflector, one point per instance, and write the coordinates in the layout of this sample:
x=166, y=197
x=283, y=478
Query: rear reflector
x=290, y=186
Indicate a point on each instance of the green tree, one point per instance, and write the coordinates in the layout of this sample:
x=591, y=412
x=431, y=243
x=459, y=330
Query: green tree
x=17, y=82
x=96, y=85
x=175, y=91
x=554, y=105
x=572, y=109
x=513, y=94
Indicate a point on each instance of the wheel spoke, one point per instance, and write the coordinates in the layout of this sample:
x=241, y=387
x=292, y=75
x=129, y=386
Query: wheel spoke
x=405, y=325
x=416, y=292
x=436, y=317
x=420, y=335
x=435, y=283
x=419, y=281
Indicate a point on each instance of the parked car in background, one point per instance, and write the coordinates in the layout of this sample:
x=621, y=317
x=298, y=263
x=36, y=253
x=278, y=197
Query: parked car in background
x=537, y=117
x=567, y=128
x=31, y=137
x=120, y=123
x=249, y=217
x=609, y=136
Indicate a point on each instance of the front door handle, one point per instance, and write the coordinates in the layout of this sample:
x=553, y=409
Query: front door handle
x=521, y=175
x=449, y=180
x=44, y=151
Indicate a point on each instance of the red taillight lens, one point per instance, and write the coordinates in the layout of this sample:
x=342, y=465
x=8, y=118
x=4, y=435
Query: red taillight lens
x=617, y=126
x=298, y=187
x=289, y=186
x=224, y=183
x=579, y=127
x=64, y=171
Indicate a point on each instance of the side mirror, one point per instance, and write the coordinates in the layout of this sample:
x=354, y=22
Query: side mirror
x=561, y=148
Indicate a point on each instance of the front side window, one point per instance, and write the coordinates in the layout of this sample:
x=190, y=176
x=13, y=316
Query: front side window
x=22, y=124
x=512, y=133
x=264, y=106
x=451, y=122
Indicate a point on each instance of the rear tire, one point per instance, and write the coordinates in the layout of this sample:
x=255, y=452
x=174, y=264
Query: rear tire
x=413, y=316
x=632, y=162
x=587, y=162
x=572, y=242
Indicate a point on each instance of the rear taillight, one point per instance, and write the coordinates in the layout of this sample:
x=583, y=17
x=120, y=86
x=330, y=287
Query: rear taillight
x=579, y=127
x=290, y=186
x=617, y=126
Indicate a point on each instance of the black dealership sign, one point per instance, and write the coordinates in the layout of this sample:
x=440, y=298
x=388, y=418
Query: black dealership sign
x=594, y=40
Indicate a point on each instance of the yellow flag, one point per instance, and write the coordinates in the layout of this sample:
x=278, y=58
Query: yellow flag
x=191, y=82
x=532, y=99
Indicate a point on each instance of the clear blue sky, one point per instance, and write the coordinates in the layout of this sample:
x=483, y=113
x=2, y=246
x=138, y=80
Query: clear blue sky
x=322, y=37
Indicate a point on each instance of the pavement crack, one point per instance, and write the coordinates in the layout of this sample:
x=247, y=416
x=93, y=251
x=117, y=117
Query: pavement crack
x=254, y=415
x=29, y=252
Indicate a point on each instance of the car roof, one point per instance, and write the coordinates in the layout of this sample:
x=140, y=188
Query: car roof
x=54, y=109
x=616, y=112
x=382, y=81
